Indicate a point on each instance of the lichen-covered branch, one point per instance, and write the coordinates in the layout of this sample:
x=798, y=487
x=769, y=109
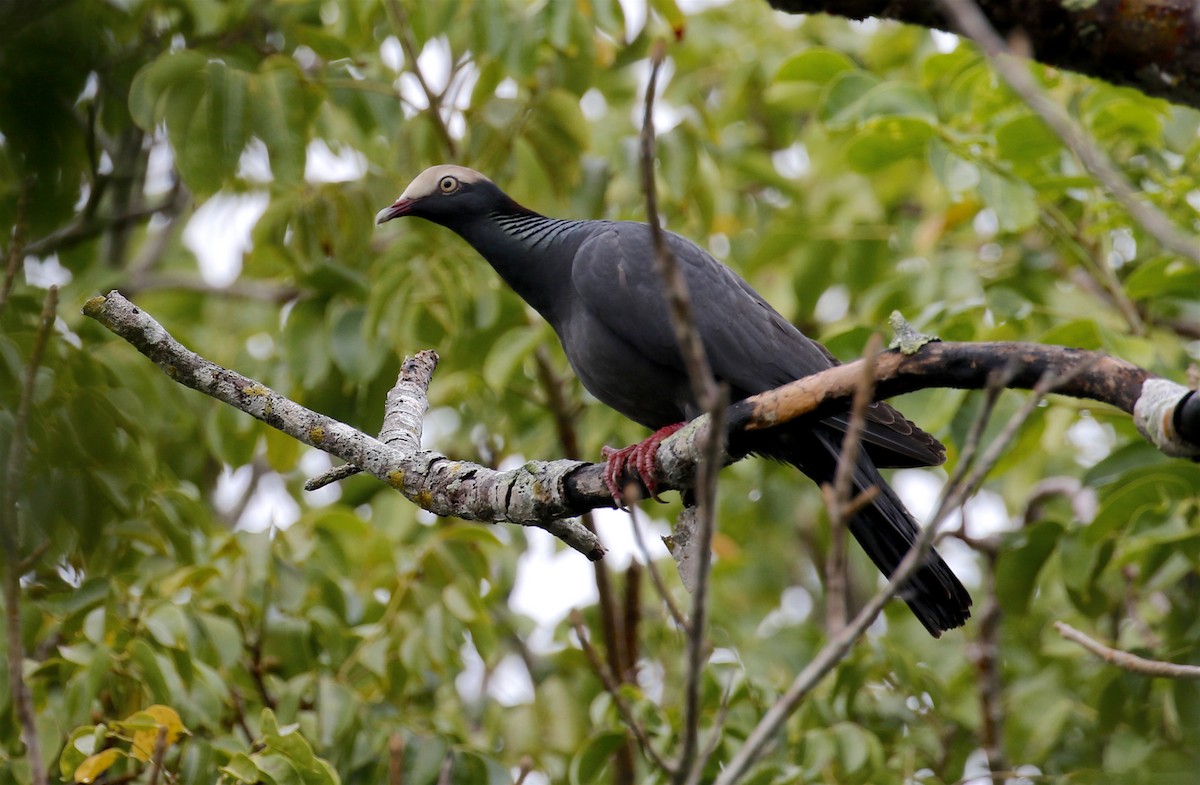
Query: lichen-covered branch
x=545, y=493
x=533, y=494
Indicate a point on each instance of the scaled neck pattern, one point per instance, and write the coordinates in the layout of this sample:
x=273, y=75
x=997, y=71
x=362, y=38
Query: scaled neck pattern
x=532, y=253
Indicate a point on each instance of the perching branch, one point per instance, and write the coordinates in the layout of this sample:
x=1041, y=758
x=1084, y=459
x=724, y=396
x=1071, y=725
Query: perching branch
x=1123, y=659
x=542, y=493
x=534, y=494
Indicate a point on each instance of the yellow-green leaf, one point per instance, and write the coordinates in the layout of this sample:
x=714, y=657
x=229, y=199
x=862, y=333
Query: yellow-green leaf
x=146, y=725
x=95, y=765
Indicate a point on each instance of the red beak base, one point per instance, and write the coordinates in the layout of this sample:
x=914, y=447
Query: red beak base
x=399, y=208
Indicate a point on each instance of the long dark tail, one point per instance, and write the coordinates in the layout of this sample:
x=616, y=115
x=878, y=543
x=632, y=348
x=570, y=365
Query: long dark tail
x=885, y=530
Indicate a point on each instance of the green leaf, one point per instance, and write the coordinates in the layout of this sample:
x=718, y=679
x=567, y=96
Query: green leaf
x=593, y=758
x=283, y=104
x=508, y=353
x=1165, y=276
x=1079, y=334
x=843, y=98
x=153, y=83
x=899, y=98
x=242, y=769
x=1012, y=200
x=817, y=64
x=885, y=140
x=1026, y=138
x=1020, y=562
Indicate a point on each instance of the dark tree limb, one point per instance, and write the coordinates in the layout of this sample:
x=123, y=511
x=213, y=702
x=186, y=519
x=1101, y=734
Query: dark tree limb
x=1151, y=46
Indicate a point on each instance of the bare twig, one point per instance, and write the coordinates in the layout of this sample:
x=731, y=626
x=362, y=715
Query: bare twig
x=239, y=714
x=838, y=498
x=447, y=770
x=618, y=646
x=656, y=579
x=968, y=18
x=678, y=301
x=1082, y=498
x=16, y=247
x=404, y=33
x=715, y=735
x=836, y=649
x=614, y=691
x=986, y=654
x=82, y=230
x=1127, y=661
x=706, y=493
x=709, y=397
x=523, y=771
x=160, y=750
x=396, y=759
x=9, y=523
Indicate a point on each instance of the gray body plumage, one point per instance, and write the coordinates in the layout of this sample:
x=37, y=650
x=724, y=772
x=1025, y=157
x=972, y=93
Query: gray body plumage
x=595, y=282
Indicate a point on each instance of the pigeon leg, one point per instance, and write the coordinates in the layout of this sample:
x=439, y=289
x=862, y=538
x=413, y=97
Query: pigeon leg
x=641, y=457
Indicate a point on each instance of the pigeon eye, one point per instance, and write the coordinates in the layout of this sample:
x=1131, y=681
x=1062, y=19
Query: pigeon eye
x=448, y=185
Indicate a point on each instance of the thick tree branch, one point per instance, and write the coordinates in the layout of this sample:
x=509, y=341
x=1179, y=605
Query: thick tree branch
x=544, y=493
x=534, y=494
x=1153, y=47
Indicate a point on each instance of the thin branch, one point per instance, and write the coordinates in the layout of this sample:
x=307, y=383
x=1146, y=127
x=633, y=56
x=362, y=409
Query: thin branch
x=160, y=751
x=711, y=399
x=239, y=714
x=968, y=18
x=523, y=771
x=1127, y=661
x=838, y=498
x=83, y=230
x=396, y=759
x=985, y=652
x=404, y=33
x=838, y=647
x=706, y=496
x=656, y=578
x=613, y=689
x=13, y=478
x=16, y=247
x=715, y=736
x=678, y=301
x=447, y=770
x=242, y=288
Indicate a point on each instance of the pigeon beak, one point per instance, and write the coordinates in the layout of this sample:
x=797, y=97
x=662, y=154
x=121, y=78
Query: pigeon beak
x=399, y=208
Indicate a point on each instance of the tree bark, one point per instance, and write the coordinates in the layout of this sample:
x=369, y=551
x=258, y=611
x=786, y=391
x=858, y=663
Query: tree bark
x=1149, y=45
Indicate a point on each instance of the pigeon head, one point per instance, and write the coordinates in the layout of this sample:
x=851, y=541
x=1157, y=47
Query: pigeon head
x=449, y=195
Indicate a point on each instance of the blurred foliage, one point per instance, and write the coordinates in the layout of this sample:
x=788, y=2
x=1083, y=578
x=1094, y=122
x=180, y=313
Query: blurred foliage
x=845, y=169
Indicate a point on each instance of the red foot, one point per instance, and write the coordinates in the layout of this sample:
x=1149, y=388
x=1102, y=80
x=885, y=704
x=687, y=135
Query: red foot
x=641, y=457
